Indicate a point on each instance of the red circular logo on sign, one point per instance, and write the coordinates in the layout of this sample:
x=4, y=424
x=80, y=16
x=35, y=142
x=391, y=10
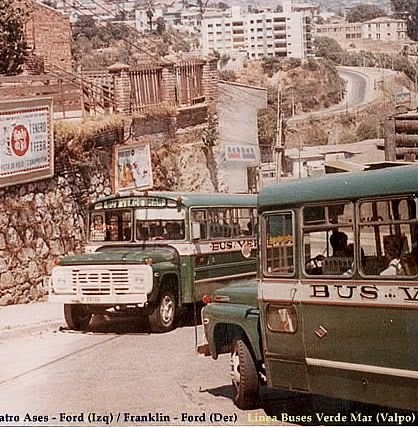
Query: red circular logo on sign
x=20, y=140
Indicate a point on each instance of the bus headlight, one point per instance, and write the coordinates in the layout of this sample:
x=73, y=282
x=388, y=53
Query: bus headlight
x=61, y=282
x=138, y=283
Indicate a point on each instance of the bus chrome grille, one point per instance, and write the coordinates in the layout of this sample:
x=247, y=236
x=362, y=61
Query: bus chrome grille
x=101, y=282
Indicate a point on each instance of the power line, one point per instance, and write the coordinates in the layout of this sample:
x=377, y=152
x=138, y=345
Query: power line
x=115, y=16
x=105, y=27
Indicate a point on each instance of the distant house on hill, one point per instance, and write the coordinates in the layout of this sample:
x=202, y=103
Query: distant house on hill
x=48, y=34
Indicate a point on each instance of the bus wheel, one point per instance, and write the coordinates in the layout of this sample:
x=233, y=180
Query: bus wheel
x=77, y=316
x=163, y=314
x=245, y=382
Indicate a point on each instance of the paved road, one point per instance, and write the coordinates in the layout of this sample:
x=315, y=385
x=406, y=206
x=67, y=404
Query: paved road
x=361, y=89
x=119, y=372
x=114, y=369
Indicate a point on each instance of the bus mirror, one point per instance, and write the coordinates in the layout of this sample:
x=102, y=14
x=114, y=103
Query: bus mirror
x=195, y=230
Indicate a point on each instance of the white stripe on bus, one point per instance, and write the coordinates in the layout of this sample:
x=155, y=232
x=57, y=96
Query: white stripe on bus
x=370, y=369
x=234, y=276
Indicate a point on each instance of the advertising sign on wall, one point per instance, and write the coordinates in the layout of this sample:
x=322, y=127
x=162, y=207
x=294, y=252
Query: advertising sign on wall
x=133, y=167
x=242, y=153
x=26, y=141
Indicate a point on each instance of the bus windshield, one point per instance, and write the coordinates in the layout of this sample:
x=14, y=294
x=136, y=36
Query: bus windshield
x=150, y=224
x=158, y=224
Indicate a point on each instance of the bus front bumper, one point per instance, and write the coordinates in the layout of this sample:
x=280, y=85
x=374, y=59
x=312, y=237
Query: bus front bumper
x=140, y=300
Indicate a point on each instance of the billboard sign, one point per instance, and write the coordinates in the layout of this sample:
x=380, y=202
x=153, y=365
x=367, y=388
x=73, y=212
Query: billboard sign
x=403, y=98
x=241, y=153
x=26, y=141
x=133, y=167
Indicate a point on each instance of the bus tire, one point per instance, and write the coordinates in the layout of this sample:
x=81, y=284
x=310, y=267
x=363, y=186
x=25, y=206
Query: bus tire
x=245, y=381
x=162, y=315
x=77, y=316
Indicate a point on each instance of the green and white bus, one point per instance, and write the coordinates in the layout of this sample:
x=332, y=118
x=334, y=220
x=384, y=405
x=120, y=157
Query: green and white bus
x=155, y=252
x=334, y=311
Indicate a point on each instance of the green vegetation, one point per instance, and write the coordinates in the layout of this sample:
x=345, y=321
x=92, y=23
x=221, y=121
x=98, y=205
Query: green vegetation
x=305, y=86
x=330, y=49
x=13, y=48
x=409, y=9
x=98, y=46
x=364, y=12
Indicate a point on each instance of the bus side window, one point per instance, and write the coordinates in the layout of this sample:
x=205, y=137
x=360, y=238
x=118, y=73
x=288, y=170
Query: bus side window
x=279, y=256
x=329, y=239
x=200, y=217
x=387, y=228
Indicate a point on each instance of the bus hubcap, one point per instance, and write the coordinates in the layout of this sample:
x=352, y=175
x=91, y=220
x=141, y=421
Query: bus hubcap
x=235, y=375
x=167, y=310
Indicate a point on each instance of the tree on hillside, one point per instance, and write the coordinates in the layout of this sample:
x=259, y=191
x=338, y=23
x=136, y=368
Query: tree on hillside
x=85, y=26
x=328, y=48
x=408, y=9
x=149, y=11
x=202, y=5
x=364, y=12
x=13, y=47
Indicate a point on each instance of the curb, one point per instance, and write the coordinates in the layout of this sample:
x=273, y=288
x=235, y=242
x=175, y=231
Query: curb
x=37, y=328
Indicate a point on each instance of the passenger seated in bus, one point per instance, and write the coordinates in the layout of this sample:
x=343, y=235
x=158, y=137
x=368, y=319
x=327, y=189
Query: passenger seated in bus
x=127, y=233
x=410, y=261
x=172, y=231
x=392, y=246
x=142, y=233
x=338, y=242
x=156, y=232
x=249, y=230
x=341, y=261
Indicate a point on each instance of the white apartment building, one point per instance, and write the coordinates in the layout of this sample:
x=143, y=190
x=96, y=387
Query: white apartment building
x=273, y=34
x=384, y=28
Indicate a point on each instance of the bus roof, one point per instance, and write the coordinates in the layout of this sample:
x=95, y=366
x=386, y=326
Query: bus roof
x=193, y=199
x=348, y=186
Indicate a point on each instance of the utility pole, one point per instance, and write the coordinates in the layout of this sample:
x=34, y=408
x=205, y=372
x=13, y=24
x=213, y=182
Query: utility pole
x=293, y=101
x=278, y=146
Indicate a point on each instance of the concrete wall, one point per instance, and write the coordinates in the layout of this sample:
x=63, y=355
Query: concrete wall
x=238, y=126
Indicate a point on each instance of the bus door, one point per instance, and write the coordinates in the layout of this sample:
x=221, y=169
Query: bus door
x=282, y=321
x=225, y=248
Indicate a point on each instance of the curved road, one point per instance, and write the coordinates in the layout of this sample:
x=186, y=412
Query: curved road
x=361, y=89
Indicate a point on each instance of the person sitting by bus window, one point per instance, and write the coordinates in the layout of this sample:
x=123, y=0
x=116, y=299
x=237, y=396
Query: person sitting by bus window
x=172, y=231
x=156, y=232
x=127, y=233
x=393, y=247
x=142, y=232
x=410, y=261
x=249, y=231
x=338, y=242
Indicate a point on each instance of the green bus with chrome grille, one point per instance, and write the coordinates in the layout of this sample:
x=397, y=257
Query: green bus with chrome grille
x=336, y=307
x=153, y=253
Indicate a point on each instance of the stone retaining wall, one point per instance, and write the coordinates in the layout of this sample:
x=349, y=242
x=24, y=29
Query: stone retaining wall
x=39, y=222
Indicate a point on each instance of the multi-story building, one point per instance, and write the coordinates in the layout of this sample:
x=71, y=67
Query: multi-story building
x=339, y=31
x=274, y=34
x=383, y=28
